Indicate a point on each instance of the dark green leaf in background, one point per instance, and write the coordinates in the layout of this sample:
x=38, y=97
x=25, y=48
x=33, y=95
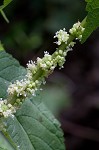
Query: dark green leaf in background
x=92, y=18
x=5, y=3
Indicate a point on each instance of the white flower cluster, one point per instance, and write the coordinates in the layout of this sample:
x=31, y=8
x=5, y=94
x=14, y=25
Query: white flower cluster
x=6, y=110
x=30, y=85
x=18, y=87
x=23, y=88
x=60, y=57
x=77, y=30
x=46, y=63
x=62, y=36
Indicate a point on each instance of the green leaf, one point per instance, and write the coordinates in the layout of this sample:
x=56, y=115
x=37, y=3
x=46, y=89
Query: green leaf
x=92, y=21
x=35, y=128
x=4, y=144
x=5, y=3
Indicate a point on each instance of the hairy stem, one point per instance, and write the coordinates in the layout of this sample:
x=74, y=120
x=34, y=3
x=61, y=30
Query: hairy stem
x=42, y=73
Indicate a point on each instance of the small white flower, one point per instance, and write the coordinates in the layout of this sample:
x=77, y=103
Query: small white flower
x=9, y=105
x=62, y=36
x=43, y=66
x=6, y=110
x=77, y=31
x=7, y=113
x=60, y=52
x=39, y=60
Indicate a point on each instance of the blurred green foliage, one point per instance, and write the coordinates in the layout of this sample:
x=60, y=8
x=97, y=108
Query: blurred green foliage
x=56, y=98
x=1, y=46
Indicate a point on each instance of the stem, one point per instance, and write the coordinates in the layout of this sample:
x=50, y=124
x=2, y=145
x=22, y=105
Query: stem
x=83, y=23
x=38, y=74
x=6, y=134
x=4, y=16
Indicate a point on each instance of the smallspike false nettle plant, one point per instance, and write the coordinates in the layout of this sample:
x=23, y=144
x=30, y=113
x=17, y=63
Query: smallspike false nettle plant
x=38, y=71
x=24, y=120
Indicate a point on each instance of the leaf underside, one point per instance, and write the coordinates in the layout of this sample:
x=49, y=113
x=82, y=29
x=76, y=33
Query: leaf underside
x=33, y=127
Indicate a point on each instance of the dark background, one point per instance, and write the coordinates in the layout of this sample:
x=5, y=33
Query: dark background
x=73, y=91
